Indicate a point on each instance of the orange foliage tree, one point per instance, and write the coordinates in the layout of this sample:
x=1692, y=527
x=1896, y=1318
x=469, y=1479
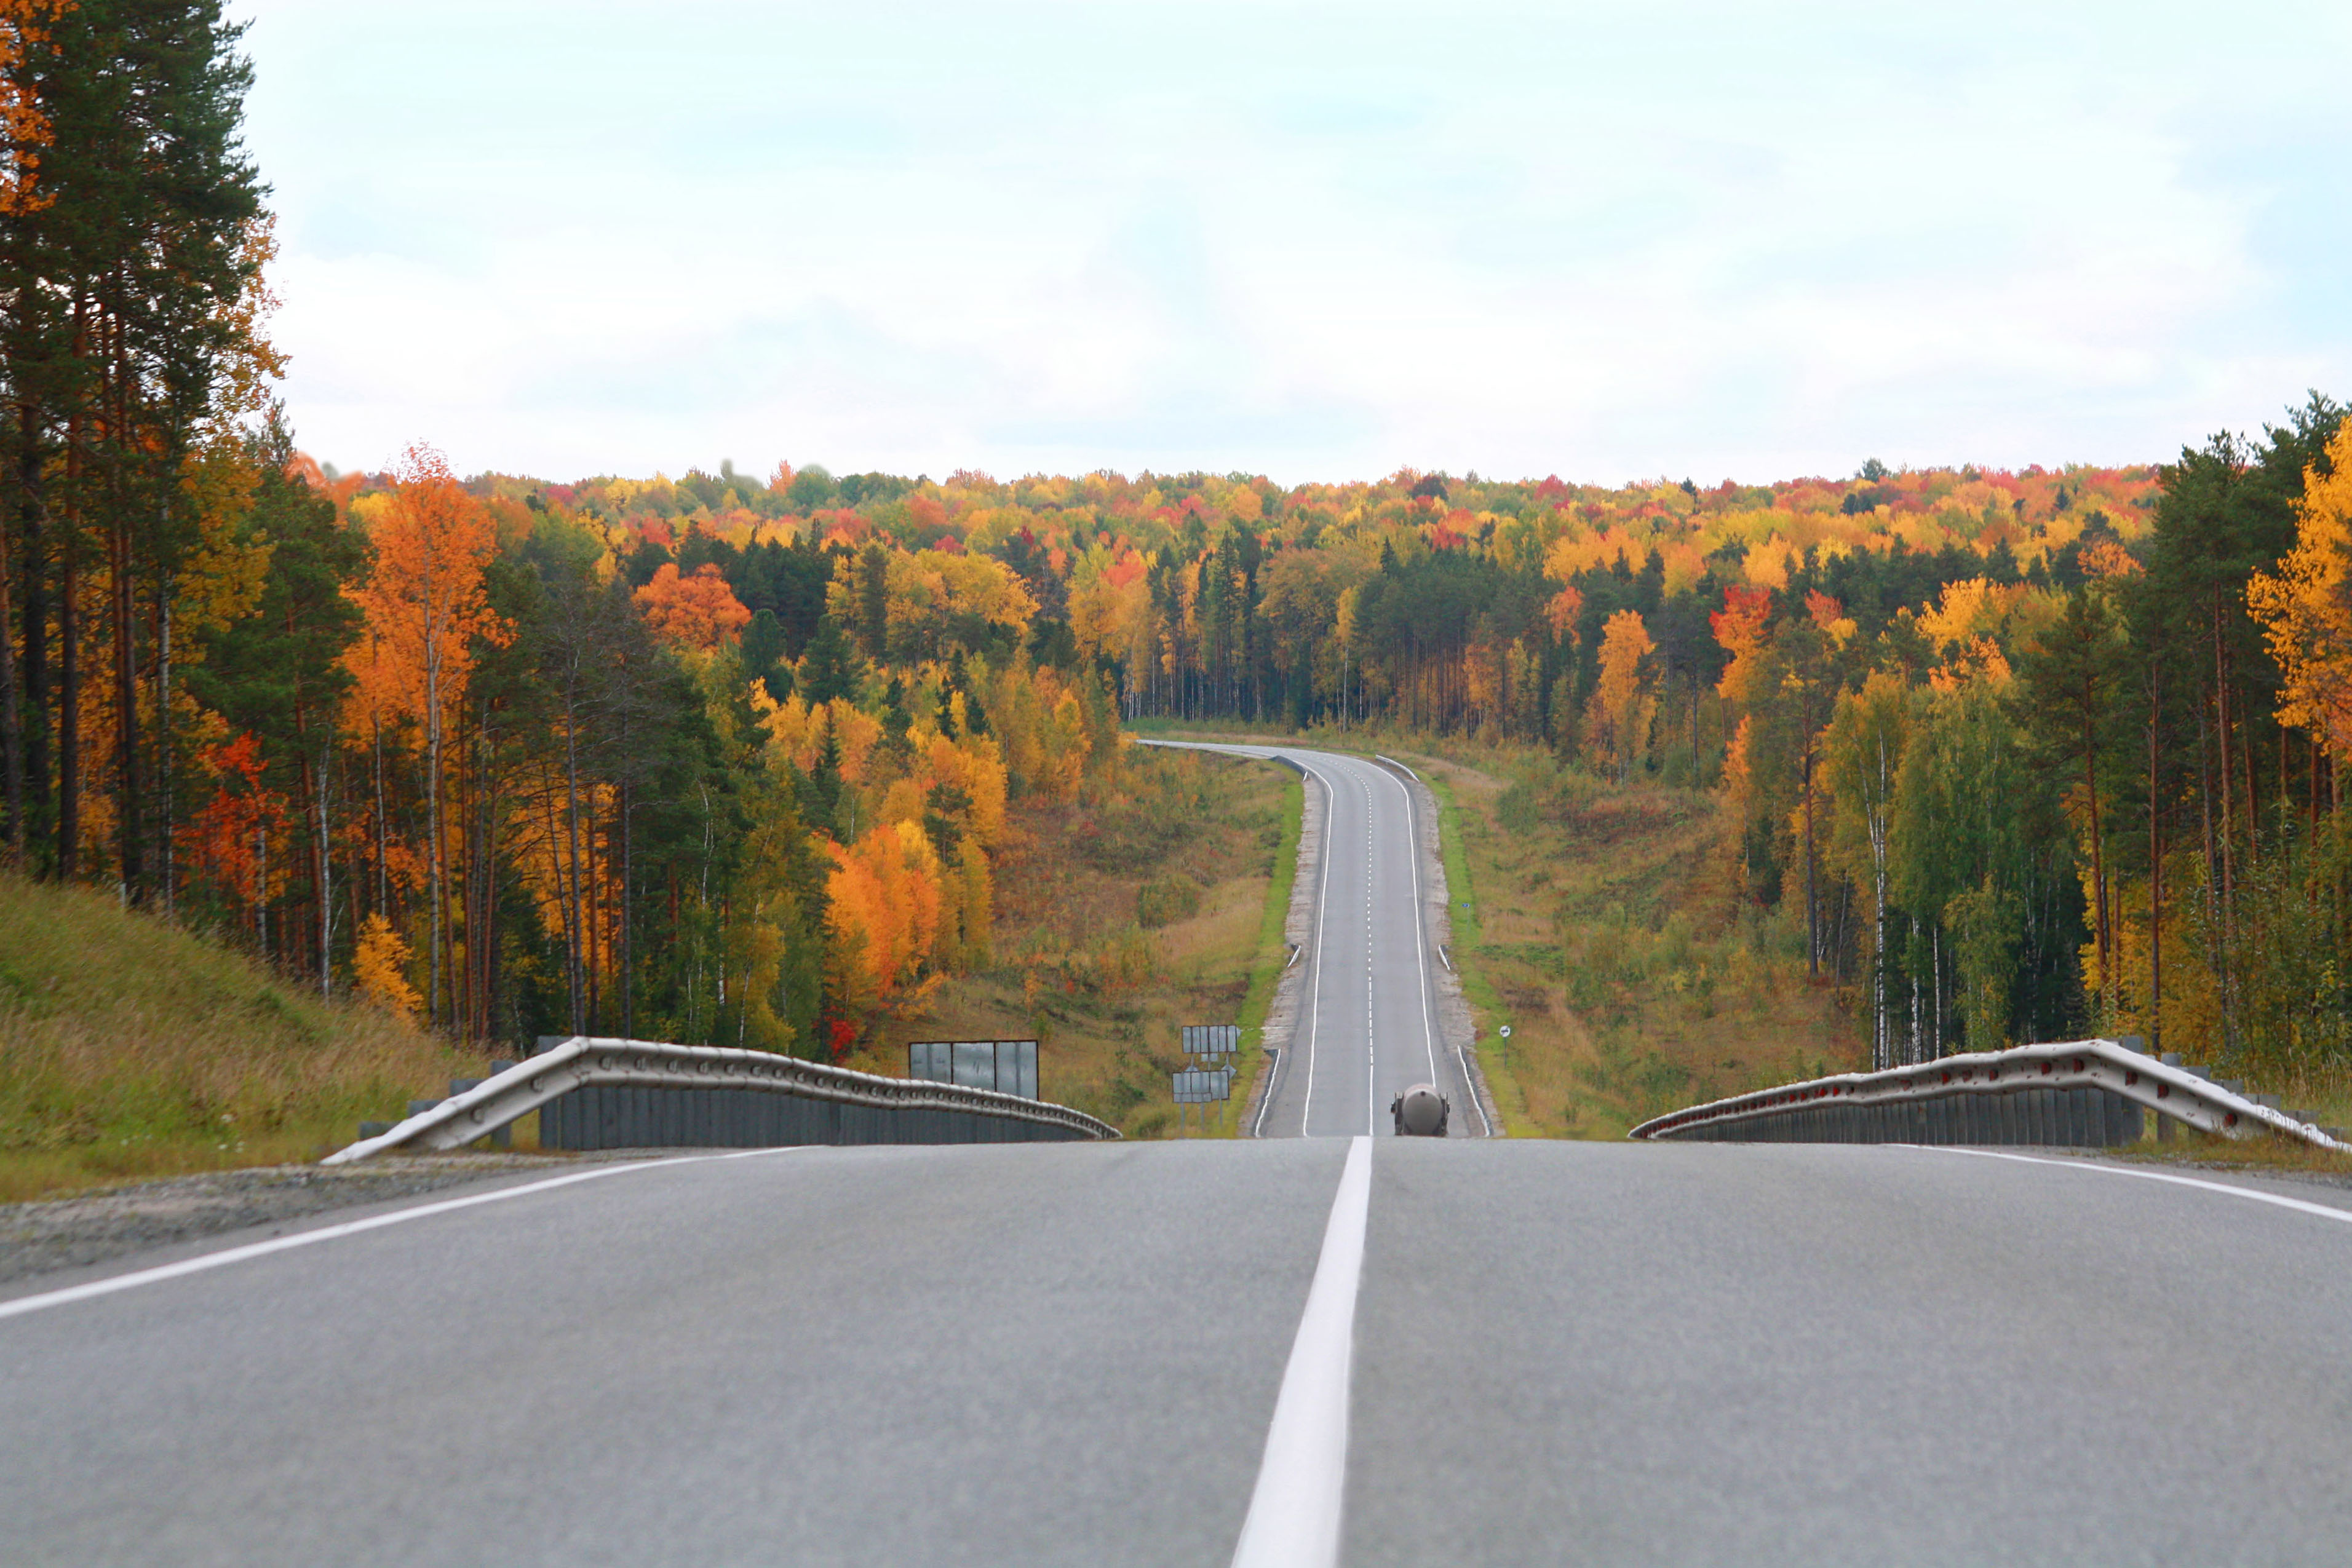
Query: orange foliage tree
x=425, y=607
x=885, y=894
x=697, y=611
x=229, y=835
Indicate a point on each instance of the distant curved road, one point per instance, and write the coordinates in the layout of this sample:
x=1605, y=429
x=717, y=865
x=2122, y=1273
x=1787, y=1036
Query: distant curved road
x=1368, y=1024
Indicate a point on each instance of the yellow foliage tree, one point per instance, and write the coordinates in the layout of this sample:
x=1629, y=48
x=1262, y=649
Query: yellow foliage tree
x=380, y=966
x=1617, y=718
x=2305, y=610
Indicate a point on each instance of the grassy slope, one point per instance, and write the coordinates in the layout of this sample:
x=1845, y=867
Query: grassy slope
x=131, y=1048
x=1104, y=998
x=1270, y=959
x=1595, y=921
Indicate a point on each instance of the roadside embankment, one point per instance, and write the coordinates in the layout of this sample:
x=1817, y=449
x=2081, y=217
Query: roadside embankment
x=91, y=1227
x=133, y=1048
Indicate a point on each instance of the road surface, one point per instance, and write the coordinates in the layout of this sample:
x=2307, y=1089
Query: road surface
x=1367, y=1025
x=1674, y=1353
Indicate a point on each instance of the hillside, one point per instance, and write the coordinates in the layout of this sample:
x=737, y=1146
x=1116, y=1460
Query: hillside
x=1124, y=916
x=131, y=1048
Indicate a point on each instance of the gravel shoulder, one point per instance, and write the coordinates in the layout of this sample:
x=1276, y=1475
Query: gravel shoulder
x=50, y=1234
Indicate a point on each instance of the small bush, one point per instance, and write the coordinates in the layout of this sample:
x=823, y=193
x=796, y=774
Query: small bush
x=1165, y=900
x=1516, y=810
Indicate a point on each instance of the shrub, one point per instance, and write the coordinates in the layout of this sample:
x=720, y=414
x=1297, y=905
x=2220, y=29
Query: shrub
x=1516, y=810
x=1165, y=900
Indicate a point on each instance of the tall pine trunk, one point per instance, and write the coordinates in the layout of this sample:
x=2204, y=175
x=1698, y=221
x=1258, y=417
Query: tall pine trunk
x=12, y=720
x=2154, y=871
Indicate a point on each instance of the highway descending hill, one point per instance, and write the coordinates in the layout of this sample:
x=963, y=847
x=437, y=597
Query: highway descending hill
x=1296, y=1350
x=1368, y=1028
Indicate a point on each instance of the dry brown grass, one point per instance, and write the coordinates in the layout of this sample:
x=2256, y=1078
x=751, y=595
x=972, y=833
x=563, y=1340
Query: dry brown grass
x=130, y=1048
x=1076, y=971
x=2206, y=1151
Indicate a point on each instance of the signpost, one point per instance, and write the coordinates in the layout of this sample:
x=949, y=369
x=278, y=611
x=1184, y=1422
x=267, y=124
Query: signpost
x=1210, y=1040
x=1205, y=1043
x=1200, y=1086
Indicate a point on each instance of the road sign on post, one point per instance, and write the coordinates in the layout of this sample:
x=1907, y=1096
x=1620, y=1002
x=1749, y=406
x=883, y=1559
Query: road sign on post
x=1200, y=1086
x=1211, y=1040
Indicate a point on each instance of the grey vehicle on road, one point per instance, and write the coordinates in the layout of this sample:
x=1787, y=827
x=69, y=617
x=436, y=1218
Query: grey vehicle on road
x=1421, y=1111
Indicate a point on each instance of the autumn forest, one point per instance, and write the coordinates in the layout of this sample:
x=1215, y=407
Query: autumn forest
x=729, y=756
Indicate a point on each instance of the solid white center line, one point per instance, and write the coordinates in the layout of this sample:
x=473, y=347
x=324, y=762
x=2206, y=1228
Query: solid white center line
x=2299, y=1205
x=349, y=1227
x=1295, y=1512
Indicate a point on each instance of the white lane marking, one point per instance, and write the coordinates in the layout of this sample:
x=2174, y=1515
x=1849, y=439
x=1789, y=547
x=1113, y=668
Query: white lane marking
x=1295, y=1512
x=1371, y=1009
x=2299, y=1205
x=186, y=1266
x=1428, y=1003
x=1371, y=972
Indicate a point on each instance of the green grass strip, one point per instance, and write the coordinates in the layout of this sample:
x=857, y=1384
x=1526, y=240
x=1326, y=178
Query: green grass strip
x=1273, y=957
x=1486, y=1006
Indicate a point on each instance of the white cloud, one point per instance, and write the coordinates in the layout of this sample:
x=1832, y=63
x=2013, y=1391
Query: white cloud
x=1318, y=242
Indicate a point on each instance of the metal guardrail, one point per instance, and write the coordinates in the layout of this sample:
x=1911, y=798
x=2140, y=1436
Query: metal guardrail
x=586, y=1062
x=1958, y=1099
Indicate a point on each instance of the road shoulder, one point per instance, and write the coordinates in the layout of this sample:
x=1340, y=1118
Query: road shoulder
x=160, y=1222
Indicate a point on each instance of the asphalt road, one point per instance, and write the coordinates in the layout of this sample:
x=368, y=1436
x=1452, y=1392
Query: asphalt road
x=1291, y=1351
x=1072, y=1353
x=1368, y=1028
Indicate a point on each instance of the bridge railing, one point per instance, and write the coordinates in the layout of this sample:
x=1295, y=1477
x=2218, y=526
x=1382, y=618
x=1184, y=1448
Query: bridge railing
x=595, y=1093
x=2084, y=1092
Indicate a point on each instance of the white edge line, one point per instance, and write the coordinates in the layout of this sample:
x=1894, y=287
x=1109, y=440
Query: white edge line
x=1314, y=979
x=1295, y=1509
x=2299, y=1205
x=1371, y=975
x=1420, y=917
x=198, y=1265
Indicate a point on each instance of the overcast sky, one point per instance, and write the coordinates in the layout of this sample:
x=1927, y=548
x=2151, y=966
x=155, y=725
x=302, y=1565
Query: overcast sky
x=1318, y=242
